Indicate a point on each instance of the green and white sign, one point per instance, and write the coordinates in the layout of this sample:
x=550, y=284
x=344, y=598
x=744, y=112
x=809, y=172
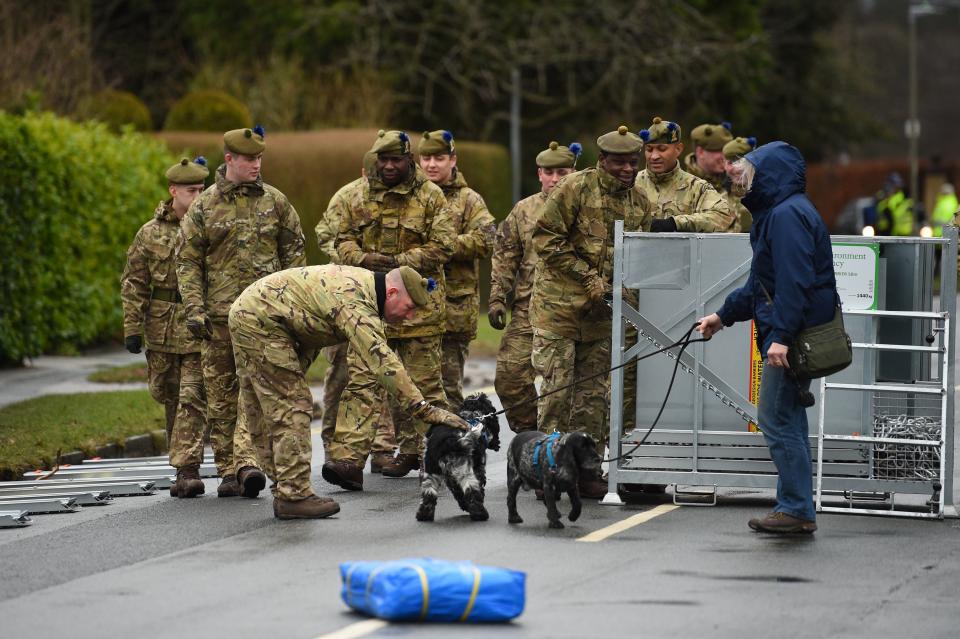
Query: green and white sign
x=857, y=267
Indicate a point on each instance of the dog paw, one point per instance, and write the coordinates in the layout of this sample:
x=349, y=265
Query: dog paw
x=556, y=524
x=574, y=515
x=425, y=514
x=515, y=519
x=479, y=514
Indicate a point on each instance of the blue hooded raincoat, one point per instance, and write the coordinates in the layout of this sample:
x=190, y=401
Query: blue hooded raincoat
x=792, y=254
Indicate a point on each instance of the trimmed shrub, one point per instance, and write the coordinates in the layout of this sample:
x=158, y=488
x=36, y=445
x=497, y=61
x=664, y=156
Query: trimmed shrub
x=117, y=109
x=208, y=110
x=72, y=196
x=310, y=166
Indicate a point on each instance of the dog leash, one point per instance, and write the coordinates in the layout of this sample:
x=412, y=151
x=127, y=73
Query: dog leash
x=683, y=342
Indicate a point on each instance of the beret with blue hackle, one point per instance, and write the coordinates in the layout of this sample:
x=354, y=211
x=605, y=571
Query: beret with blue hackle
x=418, y=287
x=739, y=147
x=187, y=172
x=621, y=141
x=557, y=156
x=245, y=141
x=661, y=132
x=437, y=143
x=711, y=137
x=391, y=142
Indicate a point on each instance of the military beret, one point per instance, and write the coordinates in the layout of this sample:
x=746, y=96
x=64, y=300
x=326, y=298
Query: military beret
x=419, y=288
x=391, y=142
x=245, y=141
x=187, y=172
x=620, y=141
x=739, y=147
x=559, y=157
x=437, y=143
x=711, y=137
x=661, y=132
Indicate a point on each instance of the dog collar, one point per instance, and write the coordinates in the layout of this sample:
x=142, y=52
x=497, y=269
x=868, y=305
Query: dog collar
x=549, y=441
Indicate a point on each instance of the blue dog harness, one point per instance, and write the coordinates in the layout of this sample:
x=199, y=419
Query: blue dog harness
x=551, y=462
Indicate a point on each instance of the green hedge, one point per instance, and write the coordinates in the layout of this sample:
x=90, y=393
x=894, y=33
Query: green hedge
x=117, y=109
x=208, y=110
x=310, y=166
x=72, y=196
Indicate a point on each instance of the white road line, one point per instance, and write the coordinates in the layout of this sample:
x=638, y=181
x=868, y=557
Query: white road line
x=629, y=522
x=354, y=630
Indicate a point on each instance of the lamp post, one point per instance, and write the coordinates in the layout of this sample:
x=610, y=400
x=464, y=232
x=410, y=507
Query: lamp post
x=912, y=126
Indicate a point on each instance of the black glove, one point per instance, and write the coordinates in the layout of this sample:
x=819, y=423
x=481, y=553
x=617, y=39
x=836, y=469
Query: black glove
x=497, y=314
x=379, y=263
x=133, y=343
x=666, y=225
x=200, y=327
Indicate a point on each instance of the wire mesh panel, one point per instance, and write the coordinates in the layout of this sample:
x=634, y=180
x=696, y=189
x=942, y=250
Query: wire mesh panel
x=906, y=416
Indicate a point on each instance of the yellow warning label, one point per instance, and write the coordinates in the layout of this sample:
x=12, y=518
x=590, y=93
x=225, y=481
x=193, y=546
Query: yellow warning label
x=756, y=369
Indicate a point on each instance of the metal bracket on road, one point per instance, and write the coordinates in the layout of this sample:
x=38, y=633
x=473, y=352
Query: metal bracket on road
x=42, y=506
x=14, y=519
x=693, y=496
x=207, y=471
x=89, y=498
x=134, y=486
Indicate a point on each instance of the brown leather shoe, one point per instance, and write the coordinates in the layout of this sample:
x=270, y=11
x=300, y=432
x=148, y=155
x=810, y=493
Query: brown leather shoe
x=592, y=488
x=401, y=465
x=188, y=482
x=782, y=524
x=379, y=460
x=312, y=507
x=251, y=480
x=343, y=474
x=228, y=487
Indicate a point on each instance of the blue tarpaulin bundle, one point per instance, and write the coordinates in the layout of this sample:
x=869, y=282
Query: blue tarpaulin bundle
x=433, y=590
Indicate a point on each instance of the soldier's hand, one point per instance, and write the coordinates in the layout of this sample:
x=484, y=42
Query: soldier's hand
x=378, y=262
x=497, y=314
x=597, y=289
x=665, y=225
x=200, y=327
x=133, y=343
x=436, y=415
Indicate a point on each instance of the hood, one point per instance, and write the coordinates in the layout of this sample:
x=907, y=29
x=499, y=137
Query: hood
x=226, y=186
x=455, y=183
x=780, y=173
x=416, y=178
x=164, y=212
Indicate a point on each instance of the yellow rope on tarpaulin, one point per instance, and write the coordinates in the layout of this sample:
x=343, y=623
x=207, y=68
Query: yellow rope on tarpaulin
x=473, y=594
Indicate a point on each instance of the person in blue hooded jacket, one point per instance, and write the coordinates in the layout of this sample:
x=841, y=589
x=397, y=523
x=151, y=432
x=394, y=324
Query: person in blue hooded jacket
x=791, y=286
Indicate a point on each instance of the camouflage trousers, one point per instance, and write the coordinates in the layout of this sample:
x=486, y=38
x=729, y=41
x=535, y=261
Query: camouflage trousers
x=186, y=442
x=275, y=407
x=359, y=407
x=561, y=360
x=515, y=373
x=220, y=382
x=454, y=348
x=334, y=381
x=163, y=381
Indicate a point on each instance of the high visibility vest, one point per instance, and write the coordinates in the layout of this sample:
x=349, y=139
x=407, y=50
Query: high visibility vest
x=901, y=213
x=943, y=212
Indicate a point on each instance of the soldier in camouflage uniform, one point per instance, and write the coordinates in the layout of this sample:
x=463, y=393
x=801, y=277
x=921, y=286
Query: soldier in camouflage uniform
x=707, y=162
x=571, y=320
x=335, y=379
x=683, y=202
x=513, y=263
x=152, y=307
x=237, y=231
x=733, y=151
x=276, y=324
x=475, y=228
x=399, y=218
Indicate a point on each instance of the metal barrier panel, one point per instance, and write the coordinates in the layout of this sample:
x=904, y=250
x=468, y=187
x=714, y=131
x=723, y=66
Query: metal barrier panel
x=707, y=435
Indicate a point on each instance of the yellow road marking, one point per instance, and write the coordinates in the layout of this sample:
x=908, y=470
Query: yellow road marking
x=629, y=522
x=355, y=630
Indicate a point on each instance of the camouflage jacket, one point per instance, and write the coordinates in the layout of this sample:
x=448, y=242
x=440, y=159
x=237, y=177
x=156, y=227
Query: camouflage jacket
x=574, y=242
x=410, y=221
x=322, y=306
x=329, y=223
x=475, y=229
x=726, y=189
x=692, y=202
x=514, y=256
x=233, y=235
x=151, y=266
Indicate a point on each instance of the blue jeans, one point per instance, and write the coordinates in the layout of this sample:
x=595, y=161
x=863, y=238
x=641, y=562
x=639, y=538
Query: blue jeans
x=784, y=424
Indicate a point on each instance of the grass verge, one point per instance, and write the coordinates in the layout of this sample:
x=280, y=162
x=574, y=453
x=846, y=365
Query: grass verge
x=32, y=431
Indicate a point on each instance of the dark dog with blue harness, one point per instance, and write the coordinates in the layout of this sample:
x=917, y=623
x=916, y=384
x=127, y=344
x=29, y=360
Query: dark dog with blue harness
x=458, y=459
x=552, y=463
